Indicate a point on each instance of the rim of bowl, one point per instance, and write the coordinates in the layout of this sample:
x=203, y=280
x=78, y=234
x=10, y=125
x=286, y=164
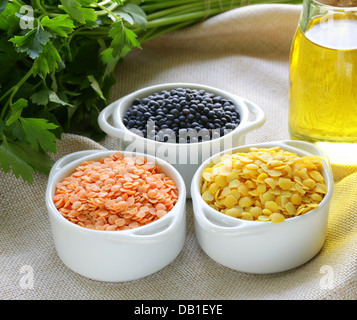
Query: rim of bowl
x=238, y=102
x=198, y=178
x=168, y=168
x=332, y=7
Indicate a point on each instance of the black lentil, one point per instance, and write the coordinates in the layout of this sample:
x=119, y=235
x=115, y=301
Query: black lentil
x=172, y=115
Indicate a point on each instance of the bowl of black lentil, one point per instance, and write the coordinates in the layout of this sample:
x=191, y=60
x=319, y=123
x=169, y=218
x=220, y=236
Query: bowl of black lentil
x=181, y=123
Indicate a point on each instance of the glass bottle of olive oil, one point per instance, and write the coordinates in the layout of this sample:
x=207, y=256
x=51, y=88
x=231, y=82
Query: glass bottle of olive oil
x=323, y=80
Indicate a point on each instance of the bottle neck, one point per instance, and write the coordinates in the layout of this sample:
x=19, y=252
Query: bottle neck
x=326, y=11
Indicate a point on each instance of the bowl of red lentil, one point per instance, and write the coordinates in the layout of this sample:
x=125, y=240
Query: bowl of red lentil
x=116, y=216
x=181, y=123
x=263, y=208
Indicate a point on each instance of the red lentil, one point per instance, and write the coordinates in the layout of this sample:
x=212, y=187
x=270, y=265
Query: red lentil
x=116, y=193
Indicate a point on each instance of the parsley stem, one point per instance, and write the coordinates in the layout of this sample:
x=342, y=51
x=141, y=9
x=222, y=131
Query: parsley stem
x=154, y=33
x=103, y=3
x=13, y=91
x=6, y=93
x=179, y=18
x=157, y=6
x=100, y=31
x=93, y=33
x=166, y=12
x=39, y=4
x=108, y=10
x=17, y=3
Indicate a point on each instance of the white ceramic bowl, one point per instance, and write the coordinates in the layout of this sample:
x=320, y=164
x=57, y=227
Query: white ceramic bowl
x=116, y=255
x=262, y=247
x=185, y=157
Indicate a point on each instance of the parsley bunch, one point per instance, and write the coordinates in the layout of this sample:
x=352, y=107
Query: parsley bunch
x=56, y=71
x=57, y=59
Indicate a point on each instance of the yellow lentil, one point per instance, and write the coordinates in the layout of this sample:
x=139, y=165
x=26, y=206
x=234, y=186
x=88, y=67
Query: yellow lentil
x=263, y=218
x=247, y=216
x=276, y=217
x=221, y=181
x=264, y=184
x=255, y=211
x=272, y=206
x=309, y=183
x=271, y=182
x=315, y=175
x=213, y=188
x=296, y=199
x=261, y=188
x=232, y=176
x=245, y=202
x=266, y=212
x=285, y=183
x=230, y=201
x=233, y=212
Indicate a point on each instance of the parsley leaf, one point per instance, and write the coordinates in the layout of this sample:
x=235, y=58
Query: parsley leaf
x=41, y=97
x=61, y=25
x=47, y=61
x=77, y=12
x=23, y=160
x=11, y=156
x=3, y=4
x=37, y=134
x=32, y=42
x=124, y=39
x=96, y=87
x=138, y=14
x=118, y=35
x=16, y=110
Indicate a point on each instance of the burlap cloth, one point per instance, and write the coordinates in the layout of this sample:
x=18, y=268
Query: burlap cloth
x=244, y=51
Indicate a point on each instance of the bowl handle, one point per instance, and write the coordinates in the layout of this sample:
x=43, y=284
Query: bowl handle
x=155, y=232
x=237, y=227
x=103, y=117
x=259, y=116
x=306, y=146
x=314, y=150
x=59, y=164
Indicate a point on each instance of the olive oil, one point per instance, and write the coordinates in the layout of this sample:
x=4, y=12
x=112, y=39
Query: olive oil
x=323, y=82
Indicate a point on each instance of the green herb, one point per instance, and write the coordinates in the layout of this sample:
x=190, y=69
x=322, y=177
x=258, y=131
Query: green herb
x=56, y=66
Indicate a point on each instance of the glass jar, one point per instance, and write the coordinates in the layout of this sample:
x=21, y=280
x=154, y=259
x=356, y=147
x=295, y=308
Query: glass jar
x=323, y=78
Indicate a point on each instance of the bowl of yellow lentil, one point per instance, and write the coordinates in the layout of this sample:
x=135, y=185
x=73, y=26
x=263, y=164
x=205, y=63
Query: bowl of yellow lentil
x=116, y=216
x=263, y=208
